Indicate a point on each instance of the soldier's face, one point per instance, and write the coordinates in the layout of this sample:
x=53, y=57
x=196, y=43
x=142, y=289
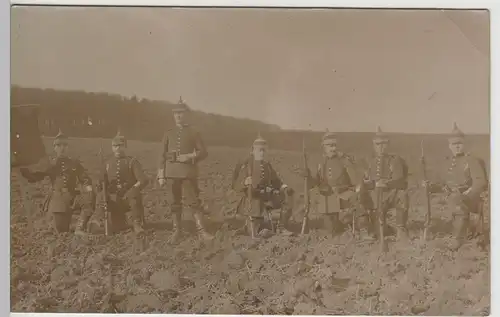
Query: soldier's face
x=456, y=147
x=259, y=152
x=380, y=146
x=118, y=149
x=61, y=149
x=330, y=148
x=179, y=117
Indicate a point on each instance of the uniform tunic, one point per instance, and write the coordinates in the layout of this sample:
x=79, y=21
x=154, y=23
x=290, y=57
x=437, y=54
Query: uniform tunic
x=334, y=179
x=466, y=180
x=65, y=174
x=181, y=140
x=266, y=184
x=182, y=176
x=122, y=174
x=392, y=168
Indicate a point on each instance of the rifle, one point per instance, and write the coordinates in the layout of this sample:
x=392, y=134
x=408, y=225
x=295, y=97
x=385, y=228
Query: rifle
x=105, y=192
x=249, y=193
x=307, y=203
x=381, y=216
x=426, y=193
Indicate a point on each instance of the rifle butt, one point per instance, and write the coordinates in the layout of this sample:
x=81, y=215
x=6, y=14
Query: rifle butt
x=382, y=221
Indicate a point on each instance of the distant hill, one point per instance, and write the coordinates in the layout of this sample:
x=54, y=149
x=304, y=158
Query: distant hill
x=139, y=119
x=143, y=119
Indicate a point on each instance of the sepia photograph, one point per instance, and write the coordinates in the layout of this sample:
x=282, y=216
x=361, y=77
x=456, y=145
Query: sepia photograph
x=253, y=161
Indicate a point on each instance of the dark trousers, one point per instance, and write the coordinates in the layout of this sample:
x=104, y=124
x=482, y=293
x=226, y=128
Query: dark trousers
x=184, y=188
x=62, y=206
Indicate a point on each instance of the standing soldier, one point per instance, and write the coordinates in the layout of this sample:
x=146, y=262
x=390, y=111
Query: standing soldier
x=466, y=180
x=182, y=149
x=126, y=179
x=389, y=172
x=335, y=179
x=65, y=174
x=268, y=190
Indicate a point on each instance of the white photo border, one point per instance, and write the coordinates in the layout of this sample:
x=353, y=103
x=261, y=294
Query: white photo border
x=492, y=5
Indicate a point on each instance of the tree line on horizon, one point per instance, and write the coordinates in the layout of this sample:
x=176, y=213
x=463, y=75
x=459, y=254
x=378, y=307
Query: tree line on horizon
x=100, y=115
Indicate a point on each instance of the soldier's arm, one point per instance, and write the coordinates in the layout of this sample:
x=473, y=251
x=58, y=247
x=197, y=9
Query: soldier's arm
x=398, y=179
x=141, y=179
x=276, y=181
x=239, y=177
x=350, y=165
x=363, y=181
x=201, y=151
x=163, y=157
x=311, y=179
x=479, y=180
x=83, y=176
x=46, y=171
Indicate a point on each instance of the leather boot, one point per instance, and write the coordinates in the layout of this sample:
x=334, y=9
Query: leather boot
x=254, y=226
x=366, y=231
x=137, y=226
x=283, y=223
x=460, y=223
x=177, y=230
x=401, y=220
x=81, y=226
x=333, y=224
x=200, y=227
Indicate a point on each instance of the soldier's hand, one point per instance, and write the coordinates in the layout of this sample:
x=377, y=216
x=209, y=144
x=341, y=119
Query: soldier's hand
x=382, y=183
x=426, y=183
x=248, y=181
x=358, y=188
x=161, y=182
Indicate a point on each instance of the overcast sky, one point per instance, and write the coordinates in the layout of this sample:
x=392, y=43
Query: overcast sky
x=345, y=70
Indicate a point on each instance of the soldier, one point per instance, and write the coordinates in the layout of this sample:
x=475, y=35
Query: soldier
x=182, y=149
x=65, y=174
x=334, y=179
x=389, y=172
x=466, y=181
x=268, y=190
x=125, y=178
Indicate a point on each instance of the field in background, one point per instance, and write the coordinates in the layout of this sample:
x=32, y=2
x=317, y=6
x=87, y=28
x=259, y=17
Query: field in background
x=300, y=275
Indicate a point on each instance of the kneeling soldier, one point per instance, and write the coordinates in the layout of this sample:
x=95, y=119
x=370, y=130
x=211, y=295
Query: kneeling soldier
x=267, y=190
x=125, y=179
x=65, y=174
x=390, y=173
x=334, y=179
x=466, y=182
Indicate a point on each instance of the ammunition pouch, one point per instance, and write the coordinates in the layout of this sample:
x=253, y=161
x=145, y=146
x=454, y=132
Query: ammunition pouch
x=327, y=190
x=171, y=156
x=450, y=189
x=266, y=194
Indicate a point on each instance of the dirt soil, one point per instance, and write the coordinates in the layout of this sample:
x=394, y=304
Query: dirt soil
x=311, y=274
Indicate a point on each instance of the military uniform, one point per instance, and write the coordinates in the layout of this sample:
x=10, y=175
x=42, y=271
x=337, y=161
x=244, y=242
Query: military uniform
x=125, y=178
x=268, y=191
x=184, y=141
x=466, y=181
x=66, y=174
x=393, y=169
x=334, y=179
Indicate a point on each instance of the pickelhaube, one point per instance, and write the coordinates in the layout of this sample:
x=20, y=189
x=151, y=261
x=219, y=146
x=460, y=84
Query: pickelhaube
x=380, y=136
x=328, y=136
x=456, y=134
x=181, y=106
x=60, y=138
x=259, y=141
x=119, y=139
